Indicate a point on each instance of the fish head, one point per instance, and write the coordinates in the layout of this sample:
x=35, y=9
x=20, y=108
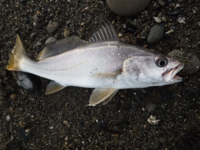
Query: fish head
x=153, y=70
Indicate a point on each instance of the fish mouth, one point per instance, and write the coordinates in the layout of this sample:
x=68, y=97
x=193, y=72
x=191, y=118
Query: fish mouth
x=170, y=75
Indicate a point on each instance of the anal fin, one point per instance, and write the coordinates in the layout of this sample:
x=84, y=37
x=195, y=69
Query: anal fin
x=53, y=87
x=101, y=94
x=110, y=97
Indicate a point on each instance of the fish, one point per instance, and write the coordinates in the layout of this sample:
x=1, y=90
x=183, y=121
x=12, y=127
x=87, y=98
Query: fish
x=103, y=63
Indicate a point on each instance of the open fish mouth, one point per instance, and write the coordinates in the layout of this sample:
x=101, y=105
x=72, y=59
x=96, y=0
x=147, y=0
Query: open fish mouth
x=170, y=75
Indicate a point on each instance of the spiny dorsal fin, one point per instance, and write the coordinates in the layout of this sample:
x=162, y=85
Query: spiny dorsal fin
x=53, y=87
x=99, y=95
x=60, y=46
x=105, y=33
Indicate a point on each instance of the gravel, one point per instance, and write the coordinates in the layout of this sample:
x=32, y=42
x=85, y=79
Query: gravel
x=122, y=123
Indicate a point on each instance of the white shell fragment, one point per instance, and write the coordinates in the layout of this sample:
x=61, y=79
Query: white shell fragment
x=177, y=5
x=170, y=31
x=152, y=120
x=181, y=19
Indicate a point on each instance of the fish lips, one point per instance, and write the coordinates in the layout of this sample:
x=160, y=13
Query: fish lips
x=170, y=75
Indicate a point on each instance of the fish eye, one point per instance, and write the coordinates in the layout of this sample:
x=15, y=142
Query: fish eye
x=161, y=62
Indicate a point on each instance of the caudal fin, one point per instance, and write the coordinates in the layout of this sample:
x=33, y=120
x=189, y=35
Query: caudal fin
x=16, y=56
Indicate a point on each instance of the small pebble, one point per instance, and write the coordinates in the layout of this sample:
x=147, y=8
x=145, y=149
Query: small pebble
x=156, y=34
x=174, y=13
x=52, y=27
x=35, y=19
x=65, y=122
x=113, y=107
x=33, y=35
x=26, y=20
x=38, y=25
x=154, y=144
x=158, y=20
x=193, y=94
x=151, y=107
x=161, y=2
x=83, y=23
x=13, y=96
x=23, y=136
x=39, y=43
x=162, y=140
x=50, y=40
x=191, y=67
x=58, y=10
x=66, y=33
x=132, y=30
x=144, y=34
x=8, y=118
x=119, y=35
x=184, y=42
x=175, y=104
x=102, y=126
x=137, y=98
x=66, y=138
x=175, y=53
x=163, y=18
x=127, y=7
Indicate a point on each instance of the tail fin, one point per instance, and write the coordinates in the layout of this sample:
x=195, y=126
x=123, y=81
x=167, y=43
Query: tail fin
x=16, y=56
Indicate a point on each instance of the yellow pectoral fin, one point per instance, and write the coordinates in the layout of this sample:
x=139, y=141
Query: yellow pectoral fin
x=53, y=87
x=101, y=94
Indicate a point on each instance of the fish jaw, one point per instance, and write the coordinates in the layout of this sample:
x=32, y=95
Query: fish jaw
x=170, y=75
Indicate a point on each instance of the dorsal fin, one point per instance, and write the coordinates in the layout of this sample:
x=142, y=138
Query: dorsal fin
x=60, y=46
x=105, y=33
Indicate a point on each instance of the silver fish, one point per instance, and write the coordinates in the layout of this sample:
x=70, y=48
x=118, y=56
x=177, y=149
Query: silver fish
x=102, y=63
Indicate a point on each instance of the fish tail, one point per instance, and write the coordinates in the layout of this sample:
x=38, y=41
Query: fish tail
x=17, y=55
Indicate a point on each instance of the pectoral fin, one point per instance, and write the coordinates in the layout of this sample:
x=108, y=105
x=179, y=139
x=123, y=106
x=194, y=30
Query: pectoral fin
x=53, y=87
x=100, y=94
x=108, y=75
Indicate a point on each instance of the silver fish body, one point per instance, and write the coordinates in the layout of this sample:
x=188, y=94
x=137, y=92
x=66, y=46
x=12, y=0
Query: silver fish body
x=89, y=60
x=104, y=65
